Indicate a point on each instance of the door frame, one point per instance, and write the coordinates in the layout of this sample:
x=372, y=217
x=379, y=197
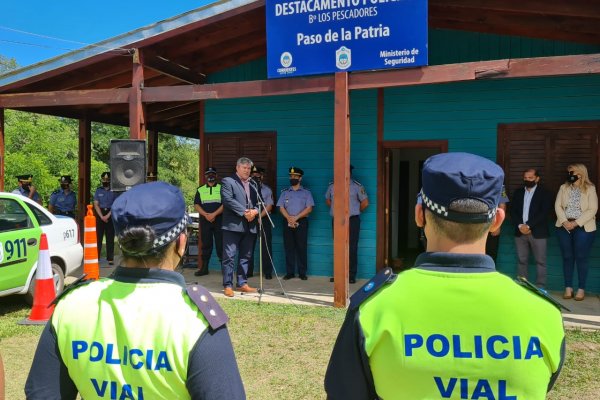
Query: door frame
x=383, y=194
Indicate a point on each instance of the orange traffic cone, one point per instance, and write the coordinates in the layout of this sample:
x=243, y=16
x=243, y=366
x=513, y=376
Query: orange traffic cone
x=45, y=290
x=91, y=268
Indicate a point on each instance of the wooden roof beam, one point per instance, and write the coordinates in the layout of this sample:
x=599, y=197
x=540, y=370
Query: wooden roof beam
x=537, y=7
x=172, y=69
x=508, y=68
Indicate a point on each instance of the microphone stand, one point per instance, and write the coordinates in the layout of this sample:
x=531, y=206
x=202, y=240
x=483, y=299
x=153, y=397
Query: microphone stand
x=261, y=206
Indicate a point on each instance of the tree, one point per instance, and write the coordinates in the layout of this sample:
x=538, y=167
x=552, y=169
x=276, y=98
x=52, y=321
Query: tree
x=7, y=64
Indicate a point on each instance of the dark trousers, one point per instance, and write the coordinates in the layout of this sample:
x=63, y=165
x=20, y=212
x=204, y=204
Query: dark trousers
x=354, y=235
x=575, y=246
x=265, y=248
x=108, y=229
x=491, y=246
x=240, y=244
x=295, y=242
x=208, y=232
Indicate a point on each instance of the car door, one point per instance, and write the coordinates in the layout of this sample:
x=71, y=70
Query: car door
x=19, y=243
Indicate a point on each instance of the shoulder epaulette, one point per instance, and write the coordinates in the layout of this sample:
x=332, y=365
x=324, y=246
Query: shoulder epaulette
x=81, y=281
x=57, y=191
x=357, y=182
x=207, y=305
x=330, y=183
x=540, y=292
x=385, y=276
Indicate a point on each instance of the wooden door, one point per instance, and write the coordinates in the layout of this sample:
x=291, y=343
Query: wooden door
x=223, y=150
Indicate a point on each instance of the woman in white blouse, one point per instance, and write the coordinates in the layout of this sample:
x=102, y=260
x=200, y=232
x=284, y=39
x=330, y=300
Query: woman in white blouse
x=576, y=206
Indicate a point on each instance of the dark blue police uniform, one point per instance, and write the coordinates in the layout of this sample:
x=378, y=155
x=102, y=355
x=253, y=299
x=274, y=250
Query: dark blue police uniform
x=295, y=238
x=103, y=201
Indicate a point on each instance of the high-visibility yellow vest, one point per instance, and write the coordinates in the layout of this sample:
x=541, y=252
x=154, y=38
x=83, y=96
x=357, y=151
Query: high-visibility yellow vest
x=208, y=196
x=114, y=348
x=440, y=335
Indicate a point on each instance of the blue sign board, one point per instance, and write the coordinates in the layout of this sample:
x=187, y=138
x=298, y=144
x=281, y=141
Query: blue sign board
x=307, y=37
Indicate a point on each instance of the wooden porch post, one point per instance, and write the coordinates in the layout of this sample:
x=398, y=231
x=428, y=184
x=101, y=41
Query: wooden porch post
x=202, y=164
x=85, y=156
x=137, y=120
x=153, y=152
x=380, y=257
x=2, y=150
x=341, y=190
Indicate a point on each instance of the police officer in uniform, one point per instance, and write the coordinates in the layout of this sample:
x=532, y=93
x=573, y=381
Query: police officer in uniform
x=358, y=202
x=295, y=203
x=257, y=174
x=452, y=326
x=103, y=201
x=27, y=189
x=208, y=204
x=141, y=333
x=63, y=201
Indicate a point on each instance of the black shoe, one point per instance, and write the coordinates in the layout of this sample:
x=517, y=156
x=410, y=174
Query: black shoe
x=268, y=277
x=303, y=277
x=201, y=272
x=288, y=276
x=352, y=280
x=331, y=279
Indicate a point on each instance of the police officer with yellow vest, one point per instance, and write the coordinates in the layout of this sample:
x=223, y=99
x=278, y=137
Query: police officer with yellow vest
x=452, y=327
x=208, y=204
x=141, y=333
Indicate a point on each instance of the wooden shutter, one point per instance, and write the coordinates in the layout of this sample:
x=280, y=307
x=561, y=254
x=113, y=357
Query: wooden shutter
x=223, y=150
x=548, y=147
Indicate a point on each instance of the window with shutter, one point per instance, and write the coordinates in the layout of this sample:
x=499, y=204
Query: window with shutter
x=548, y=147
x=223, y=150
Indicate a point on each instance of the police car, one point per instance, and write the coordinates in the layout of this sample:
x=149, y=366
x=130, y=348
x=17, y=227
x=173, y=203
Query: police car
x=22, y=221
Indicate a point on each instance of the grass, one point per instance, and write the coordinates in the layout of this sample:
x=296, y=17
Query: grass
x=283, y=350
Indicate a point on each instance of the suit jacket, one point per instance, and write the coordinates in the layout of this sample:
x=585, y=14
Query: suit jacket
x=588, y=204
x=540, y=206
x=235, y=202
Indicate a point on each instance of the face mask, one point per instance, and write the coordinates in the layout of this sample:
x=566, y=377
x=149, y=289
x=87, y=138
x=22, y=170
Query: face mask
x=572, y=178
x=294, y=181
x=529, y=184
x=64, y=186
x=105, y=184
x=25, y=187
x=211, y=179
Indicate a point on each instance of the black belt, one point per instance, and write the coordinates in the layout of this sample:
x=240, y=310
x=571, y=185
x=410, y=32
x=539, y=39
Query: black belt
x=66, y=213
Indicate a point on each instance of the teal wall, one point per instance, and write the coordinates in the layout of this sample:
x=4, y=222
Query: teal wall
x=466, y=114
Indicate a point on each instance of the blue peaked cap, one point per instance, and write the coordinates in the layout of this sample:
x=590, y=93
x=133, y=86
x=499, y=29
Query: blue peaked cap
x=156, y=204
x=448, y=177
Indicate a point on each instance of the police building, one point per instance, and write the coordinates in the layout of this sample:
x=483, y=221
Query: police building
x=320, y=85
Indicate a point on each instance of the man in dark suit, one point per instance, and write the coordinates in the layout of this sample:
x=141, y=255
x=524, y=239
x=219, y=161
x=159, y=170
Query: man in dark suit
x=529, y=210
x=239, y=226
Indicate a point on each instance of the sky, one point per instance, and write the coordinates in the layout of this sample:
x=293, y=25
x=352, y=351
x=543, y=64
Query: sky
x=35, y=30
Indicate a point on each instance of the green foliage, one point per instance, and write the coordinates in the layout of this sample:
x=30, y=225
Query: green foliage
x=7, y=64
x=48, y=147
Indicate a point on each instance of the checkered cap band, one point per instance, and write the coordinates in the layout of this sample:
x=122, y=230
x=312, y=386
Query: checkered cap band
x=172, y=233
x=445, y=213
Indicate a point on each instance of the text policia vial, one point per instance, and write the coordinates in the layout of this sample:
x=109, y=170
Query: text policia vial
x=111, y=354
x=495, y=347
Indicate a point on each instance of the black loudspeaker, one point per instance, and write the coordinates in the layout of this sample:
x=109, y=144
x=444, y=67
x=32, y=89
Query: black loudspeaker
x=127, y=164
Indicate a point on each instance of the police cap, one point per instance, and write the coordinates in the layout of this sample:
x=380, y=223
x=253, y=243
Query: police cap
x=65, y=179
x=296, y=170
x=158, y=205
x=449, y=177
x=105, y=176
x=25, y=178
x=257, y=170
x=210, y=170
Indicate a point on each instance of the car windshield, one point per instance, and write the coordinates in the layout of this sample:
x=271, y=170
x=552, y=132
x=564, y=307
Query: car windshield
x=13, y=216
x=42, y=218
